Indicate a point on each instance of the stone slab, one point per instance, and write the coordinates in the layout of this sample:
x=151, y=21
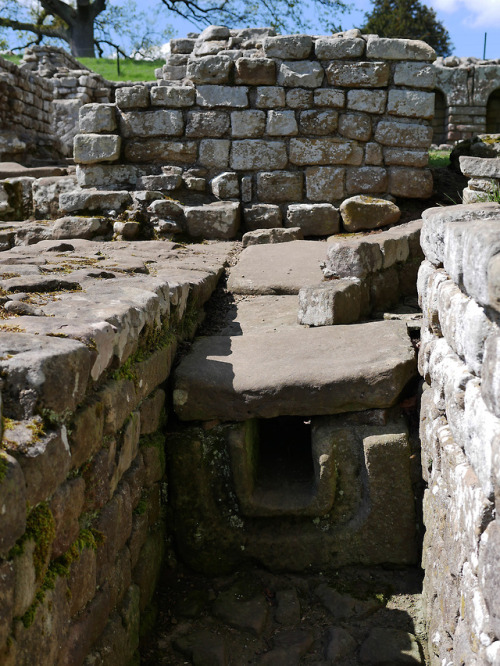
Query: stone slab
x=282, y=268
x=306, y=372
x=257, y=314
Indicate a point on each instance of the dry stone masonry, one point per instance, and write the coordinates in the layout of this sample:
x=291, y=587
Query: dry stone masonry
x=460, y=431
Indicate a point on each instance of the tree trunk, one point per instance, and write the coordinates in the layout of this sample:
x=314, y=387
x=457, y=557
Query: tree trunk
x=81, y=32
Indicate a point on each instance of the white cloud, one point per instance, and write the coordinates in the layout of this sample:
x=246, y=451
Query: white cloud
x=479, y=13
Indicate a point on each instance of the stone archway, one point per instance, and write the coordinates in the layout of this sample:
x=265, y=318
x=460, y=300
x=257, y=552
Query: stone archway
x=493, y=113
x=440, y=120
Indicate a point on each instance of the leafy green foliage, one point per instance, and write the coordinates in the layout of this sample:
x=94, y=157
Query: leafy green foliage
x=439, y=158
x=409, y=19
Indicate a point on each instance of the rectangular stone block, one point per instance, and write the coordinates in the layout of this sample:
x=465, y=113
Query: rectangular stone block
x=355, y=126
x=313, y=219
x=255, y=71
x=236, y=97
x=410, y=103
x=369, y=101
x=97, y=118
x=158, y=150
x=105, y=175
x=173, y=96
x=406, y=157
x=414, y=75
x=318, y=122
x=262, y=216
x=331, y=98
x=269, y=97
x=410, y=182
x=479, y=167
x=306, y=74
x=248, y=124
x=94, y=148
x=256, y=154
x=333, y=48
x=398, y=49
x=358, y=74
x=279, y=186
x=209, y=69
x=324, y=151
x=214, y=152
x=146, y=124
x=281, y=123
x=333, y=302
x=218, y=220
x=288, y=47
x=325, y=183
x=182, y=45
x=201, y=124
x=133, y=97
x=366, y=180
x=299, y=98
x=404, y=135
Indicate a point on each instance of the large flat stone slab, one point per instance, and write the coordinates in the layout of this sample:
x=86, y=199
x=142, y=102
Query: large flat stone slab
x=281, y=268
x=256, y=314
x=290, y=371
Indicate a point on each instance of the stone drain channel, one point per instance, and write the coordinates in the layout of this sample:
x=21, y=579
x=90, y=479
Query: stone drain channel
x=310, y=554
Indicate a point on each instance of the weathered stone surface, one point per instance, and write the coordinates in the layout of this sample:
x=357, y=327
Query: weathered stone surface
x=340, y=644
x=226, y=185
x=314, y=219
x=368, y=101
x=262, y=366
x=406, y=157
x=478, y=167
x=353, y=257
x=215, y=152
x=306, y=74
x=281, y=123
x=106, y=175
x=288, y=47
x=92, y=148
x=362, y=212
x=279, y=186
x=215, y=220
x=66, y=506
x=80, y=227
x=410, y=103
x=324, y=151
x=332, y=302
x=299, y=98
x=236, y=97
x=134, y=97
x=262, y=216
x=325, y=183
x=255, y=71
x=358, y=74
x=250, y=124
x=206, y=123
x=403, y=135
x=414, y=75
x=370, y=179
x=158, y=150
x=258, y=154
x=203, y=647
x=264, y=236
x=411, y=183
x=333, y=48
x=160, y=122
x=391, y=646
x=331, y=98
x=13, y=498
x=173, y=96
x=398, y=49
x=318, y=122
x=97, y=118
x=355, y=126
x=210, y=69
x=93, y=200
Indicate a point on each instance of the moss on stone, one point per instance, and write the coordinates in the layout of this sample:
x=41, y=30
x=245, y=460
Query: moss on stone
x=3, y=465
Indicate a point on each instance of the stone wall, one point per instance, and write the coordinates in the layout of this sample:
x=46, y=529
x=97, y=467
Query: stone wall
x=25, y=113
x=82, y=472
x=458, y=285
x=484, y=178
x=294, y=120
x=466, y=101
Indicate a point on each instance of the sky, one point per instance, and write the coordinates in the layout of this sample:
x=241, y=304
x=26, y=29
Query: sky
x=466, y=21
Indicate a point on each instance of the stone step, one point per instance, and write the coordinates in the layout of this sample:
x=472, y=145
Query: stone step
x=295, y=372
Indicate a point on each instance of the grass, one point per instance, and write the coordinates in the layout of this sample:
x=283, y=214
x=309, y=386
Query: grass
x=439, y=158
x=130, y=70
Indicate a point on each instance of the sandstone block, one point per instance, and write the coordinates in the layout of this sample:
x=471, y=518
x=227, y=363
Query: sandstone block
x=165, y=182
x=158, y=150
x=362, y=212
x=369, y=101
x=279, y=186
x=105, y=175
x=281, y=123
x=313, y=219
x=262, y=216
x=269, y=97
x=216, y=220
x=182, y=45
x=353, y=257
x=410, y=103
x=479, y=167
x=305, y=74
x=289, y=47
x=214, y=152
x=255, y=71
x=324, y=151
x=226, y=185
x=403, y=135
x=398, y=49
x=210, y=69
x=329, y=303
x=406, y=157
x=331, y=98
x=263, y=236
x=236, y=97
x=370, y=179
x=201, y=124
x=92, y=148
x=337, y=48
x=248, y=124
x=414, y=75
x=253, y=154
x=93, y=200
x=97, y=118
x=408, y=182
x=358, y=74
x=80, y=227
x=325, y=183
x=173, y=96
x=318, y=122
x=134, y=97
x=373, y=154
x=299, y=98
x=146, y=124
x=355, y=126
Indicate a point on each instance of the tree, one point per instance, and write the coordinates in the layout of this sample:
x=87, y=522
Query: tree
x=81, y=24
x=409, y=19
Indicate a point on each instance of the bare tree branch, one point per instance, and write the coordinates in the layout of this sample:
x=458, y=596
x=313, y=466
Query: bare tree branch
x=41, y=30
x=61, y=9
